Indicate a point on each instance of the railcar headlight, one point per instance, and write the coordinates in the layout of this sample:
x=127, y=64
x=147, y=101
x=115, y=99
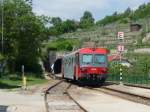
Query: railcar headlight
x=104, y=71
x=83, y=69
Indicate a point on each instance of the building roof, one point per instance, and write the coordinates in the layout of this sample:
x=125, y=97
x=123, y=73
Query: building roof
x=115, y=57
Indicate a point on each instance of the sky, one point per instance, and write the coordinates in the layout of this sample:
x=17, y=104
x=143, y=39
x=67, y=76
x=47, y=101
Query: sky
x=74, y=9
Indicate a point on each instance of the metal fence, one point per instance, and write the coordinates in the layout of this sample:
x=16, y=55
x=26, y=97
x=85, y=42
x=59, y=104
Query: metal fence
x=137, y=73
x=143, y=80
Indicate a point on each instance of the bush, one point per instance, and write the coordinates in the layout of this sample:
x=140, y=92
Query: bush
x=62, y=44
x=138, y=73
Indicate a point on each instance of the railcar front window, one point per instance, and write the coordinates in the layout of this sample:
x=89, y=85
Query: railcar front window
x=100, y=59
x=87, y=58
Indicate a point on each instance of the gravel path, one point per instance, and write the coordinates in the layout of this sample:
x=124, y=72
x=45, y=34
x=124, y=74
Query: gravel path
x=19, y=102
x=31, y=100
x=59, y=101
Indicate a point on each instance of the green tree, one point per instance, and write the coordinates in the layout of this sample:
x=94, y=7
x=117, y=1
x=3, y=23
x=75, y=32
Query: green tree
x=127, y=11
x=56, y=21
x=60, y=27
x=23, y=35
x=69, y=26
x=56, y=29
x=87, y=20
x=142, y=12
x=115, y=14
x=46, y=20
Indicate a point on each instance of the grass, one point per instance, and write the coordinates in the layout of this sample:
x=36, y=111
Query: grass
x=16, y=82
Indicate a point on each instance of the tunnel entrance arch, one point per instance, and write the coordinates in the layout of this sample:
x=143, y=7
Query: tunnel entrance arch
x=57, y=66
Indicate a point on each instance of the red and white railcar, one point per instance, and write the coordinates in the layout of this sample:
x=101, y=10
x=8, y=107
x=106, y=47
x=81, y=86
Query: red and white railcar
x=86, y=64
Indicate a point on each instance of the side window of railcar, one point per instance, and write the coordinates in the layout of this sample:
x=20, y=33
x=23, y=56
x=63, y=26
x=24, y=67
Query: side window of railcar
x=77, y=59
x=72, y=60
x=69, y=59
x=67, y=62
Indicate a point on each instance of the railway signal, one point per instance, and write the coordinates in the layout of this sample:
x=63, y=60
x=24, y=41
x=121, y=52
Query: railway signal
x=120, y=49
x=120, y=35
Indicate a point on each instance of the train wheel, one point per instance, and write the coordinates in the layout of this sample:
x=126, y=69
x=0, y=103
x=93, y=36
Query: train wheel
x=102, y=82
x=67, y=80
x=80, y=83
x=74, y=78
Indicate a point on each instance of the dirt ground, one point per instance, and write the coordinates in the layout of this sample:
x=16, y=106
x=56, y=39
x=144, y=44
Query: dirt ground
x=94, y=101
x=31, y=100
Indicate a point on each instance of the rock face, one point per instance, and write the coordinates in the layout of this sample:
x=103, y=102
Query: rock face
x=146, y=40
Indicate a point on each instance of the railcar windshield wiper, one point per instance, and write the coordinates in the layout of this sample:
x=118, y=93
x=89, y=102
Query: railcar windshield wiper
x=87, y=63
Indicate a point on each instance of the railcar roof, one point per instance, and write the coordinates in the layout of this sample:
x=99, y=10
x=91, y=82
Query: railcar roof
x=93, y=50
x=90, y=50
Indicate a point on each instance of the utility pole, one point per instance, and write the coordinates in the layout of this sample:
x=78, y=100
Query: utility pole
x=2, y=35
x=2, y=38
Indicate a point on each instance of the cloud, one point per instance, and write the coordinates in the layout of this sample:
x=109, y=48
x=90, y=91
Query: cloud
x=67, y=8
x=132, y=3
x=73, y=9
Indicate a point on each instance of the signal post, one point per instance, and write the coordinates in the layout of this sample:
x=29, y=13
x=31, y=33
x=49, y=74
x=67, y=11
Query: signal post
x=120, y=49
x=24, y=79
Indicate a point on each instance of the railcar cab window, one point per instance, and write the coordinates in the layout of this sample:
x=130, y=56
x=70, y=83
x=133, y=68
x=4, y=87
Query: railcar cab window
x=100, y=59
x=87, y=58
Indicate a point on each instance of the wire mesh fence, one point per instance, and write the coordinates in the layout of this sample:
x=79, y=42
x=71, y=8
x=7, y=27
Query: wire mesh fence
x=137, y=73
x=143, y=80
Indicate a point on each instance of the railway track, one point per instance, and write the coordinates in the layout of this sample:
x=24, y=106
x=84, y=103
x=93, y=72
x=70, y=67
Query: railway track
x=130, y=85
x=58, y=99
x=127, y=95
x=123, y=94
x=96, y=101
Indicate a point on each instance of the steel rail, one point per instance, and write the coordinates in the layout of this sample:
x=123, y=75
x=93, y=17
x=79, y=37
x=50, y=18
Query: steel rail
x=123, y=94
x=130, y=85
x=65, y=92
x=74, y=99
x=46, y=93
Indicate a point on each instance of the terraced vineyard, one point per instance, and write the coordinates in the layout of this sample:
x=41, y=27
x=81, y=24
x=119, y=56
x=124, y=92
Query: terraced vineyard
x=107, y=36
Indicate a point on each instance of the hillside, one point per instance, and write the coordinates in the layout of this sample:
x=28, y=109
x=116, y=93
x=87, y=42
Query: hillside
x=107, y=36
x=129, y=15
x=104, y=32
